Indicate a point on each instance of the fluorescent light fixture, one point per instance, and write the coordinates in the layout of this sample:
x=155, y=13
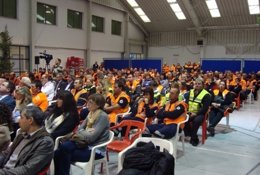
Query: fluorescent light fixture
x=180, y=15
x=139, y=11
x=212, y=4
x=254, y=10
x=133, y=3
x=253, y=7
x=145, y=18
x=213, y=8
x=175, y=7
x=214, y=13
x=253, y=2
x=171, y=1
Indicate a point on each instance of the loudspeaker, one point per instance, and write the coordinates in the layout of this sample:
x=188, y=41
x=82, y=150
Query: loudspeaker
x=200, y=42
x=37, y=60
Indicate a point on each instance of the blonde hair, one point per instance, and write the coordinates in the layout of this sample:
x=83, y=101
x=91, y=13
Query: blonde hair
x=27, y=97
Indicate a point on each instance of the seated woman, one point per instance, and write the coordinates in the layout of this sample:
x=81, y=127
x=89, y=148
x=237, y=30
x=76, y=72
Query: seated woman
x=93, y=131
x=5, y=126
x=23, y=98
x=146, y=107
x=62, y=117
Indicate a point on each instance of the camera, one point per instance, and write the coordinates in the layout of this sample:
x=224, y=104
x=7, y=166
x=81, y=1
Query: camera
x=44, y=55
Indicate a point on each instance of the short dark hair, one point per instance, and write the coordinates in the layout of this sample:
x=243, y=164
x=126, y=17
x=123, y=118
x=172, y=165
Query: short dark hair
x=38, y=84
x=35, y=113
x=11, y=86
x=5, y=116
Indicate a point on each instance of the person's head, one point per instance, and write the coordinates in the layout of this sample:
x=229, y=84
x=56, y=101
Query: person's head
x=130, y=78
x=198, y=84
x=58, y=61
x=25, y=81
x=78, y=83
x=95, y=101
x=59, y=76
x=45, y=79
x=36, y=87
x=24, y=94
x=31, y=119
x=5, y=116
x=149, y=93
x=174, y=94
x=222, y=86
x=118, y=87
x=7, y=87
x=66, y=102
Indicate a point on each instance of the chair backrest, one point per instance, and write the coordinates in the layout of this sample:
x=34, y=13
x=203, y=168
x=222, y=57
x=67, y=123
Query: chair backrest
x=161, y=144
x=131, y=124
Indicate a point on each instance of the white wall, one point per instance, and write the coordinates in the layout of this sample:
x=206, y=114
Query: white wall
x=62, y=42
x=59, y=35
x=18, y=28
x=176, y=54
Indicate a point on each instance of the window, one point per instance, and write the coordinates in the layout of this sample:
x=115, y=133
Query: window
x=8, y=8
x=74, y=19
x=97, y=24
x=116, y=27
x=46, y=14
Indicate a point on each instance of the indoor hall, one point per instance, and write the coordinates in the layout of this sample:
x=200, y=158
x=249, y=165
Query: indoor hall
x=233, y=150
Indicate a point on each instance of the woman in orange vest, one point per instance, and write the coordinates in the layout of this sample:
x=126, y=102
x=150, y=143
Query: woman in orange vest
x=173, y=113
x=222, y=99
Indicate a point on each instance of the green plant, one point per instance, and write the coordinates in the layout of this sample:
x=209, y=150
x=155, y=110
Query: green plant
x=5, y=44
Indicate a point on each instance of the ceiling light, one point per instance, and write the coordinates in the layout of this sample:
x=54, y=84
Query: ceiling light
x=133, y=3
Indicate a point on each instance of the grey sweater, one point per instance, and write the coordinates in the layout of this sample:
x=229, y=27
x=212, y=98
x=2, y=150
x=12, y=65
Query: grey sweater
x=100, y=132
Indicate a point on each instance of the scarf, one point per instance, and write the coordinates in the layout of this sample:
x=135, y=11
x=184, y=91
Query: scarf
x=92, y=117
x=51, y=124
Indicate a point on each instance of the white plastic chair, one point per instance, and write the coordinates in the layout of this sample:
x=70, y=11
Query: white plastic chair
x=177, y=136
x=89, y=167
x=122, y=115
x=161, y=143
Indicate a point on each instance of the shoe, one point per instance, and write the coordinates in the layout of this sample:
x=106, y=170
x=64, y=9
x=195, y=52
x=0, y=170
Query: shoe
x=211, y=131
x=194, y=141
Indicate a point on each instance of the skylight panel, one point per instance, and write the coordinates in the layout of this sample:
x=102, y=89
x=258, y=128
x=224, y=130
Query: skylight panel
x=253, y=7
x=133, y=3
x=145, y=18
x=176, y=9
x=213, y=8
x=171, y=1
x=139, y=10
x=214, y=13
x=253, y=2
x=180, y=15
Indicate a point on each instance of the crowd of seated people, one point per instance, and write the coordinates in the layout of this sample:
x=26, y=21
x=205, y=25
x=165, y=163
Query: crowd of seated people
x=64, y=100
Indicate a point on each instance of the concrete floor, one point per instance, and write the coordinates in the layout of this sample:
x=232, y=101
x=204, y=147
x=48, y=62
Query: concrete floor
x=233, y=151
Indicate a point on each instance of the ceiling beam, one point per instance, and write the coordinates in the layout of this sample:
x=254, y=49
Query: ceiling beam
x=193, y=16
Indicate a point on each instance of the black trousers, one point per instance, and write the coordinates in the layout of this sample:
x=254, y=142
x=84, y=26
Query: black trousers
x=192, y=126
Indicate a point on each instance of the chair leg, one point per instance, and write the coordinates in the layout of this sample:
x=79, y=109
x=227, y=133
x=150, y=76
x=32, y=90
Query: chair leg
x=183, y=141
x=204, y=131
x=107, y=170
x=227, y=120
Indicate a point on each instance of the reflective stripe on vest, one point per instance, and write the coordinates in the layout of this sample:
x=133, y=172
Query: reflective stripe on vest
x=194, y=104
x=171, y=107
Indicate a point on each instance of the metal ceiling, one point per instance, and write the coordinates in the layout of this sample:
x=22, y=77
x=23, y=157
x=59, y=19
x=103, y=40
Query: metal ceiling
x=234, y=15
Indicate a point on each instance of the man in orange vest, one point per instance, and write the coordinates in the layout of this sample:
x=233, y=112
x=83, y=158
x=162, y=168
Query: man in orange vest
x=117, y=103
x=173, y=113
x=222, y=99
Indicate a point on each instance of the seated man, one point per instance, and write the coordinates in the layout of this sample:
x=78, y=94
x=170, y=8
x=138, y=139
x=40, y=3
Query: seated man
x=32, y=149
x=39, y=98
x=199, y=101
x=173, y=113
x=117, y=103
x=222, y=101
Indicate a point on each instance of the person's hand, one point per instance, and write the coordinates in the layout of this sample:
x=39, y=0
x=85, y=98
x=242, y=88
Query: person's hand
x=146, y=100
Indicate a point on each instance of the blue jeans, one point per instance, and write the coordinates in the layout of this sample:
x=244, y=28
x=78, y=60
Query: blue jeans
x=67, y=153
